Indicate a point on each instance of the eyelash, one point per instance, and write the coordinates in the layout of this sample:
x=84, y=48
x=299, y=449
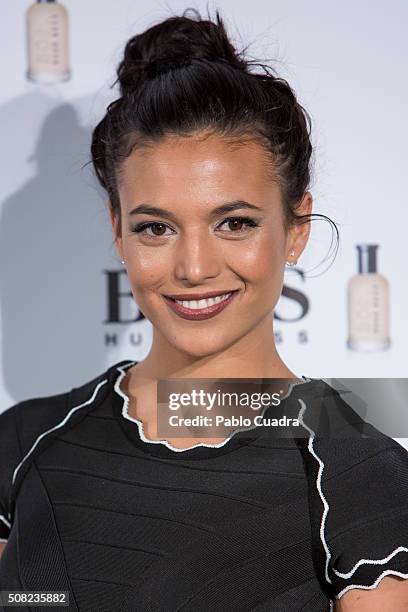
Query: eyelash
x=141, y=227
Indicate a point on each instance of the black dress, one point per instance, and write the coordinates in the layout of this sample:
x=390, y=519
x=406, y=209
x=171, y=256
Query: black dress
x=259, y=522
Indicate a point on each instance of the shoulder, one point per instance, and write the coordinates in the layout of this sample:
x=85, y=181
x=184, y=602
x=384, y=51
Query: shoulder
x=27, y=420
x=358, y=486
x=29, y=426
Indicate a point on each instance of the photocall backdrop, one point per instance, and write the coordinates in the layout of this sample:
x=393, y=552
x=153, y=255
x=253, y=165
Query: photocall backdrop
x=66, y=310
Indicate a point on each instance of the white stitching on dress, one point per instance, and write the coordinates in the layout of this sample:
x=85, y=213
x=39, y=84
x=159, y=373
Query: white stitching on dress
x=126, y=415
x=372, y=561
x=318, y=484
x=372, y=586
x=5, y=521
x=325, y=512
x=64, y=420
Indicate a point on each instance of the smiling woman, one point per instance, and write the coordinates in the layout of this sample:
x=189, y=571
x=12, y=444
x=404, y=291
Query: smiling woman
x=206, y=165
x=194, y=246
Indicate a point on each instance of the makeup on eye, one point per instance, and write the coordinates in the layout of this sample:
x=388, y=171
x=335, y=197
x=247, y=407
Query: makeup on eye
x=140, y=228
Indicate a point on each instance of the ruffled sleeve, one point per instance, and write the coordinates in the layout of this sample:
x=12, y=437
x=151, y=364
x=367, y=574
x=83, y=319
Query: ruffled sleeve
x=358, y=500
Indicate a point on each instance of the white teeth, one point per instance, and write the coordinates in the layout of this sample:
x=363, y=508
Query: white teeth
x=198, y=305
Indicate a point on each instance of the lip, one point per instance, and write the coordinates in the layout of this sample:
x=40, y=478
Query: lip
x=202, y=313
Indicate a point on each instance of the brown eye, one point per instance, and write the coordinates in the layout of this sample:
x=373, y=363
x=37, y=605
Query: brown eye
x=239, y=224
x=153, y=229
x=235, y=224
x=161, y=226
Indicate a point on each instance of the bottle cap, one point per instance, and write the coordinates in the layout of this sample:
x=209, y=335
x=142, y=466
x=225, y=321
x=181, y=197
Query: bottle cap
x=44, y=1
x=367, y=258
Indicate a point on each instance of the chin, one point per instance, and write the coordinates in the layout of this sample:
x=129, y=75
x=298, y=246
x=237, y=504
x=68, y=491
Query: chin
x=198, y=345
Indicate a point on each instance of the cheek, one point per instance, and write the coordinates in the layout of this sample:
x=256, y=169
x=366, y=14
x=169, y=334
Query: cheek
x=147, y=267
x=260, y=259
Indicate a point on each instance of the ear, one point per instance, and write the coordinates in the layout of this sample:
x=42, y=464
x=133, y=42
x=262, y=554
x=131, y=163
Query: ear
x=298, y=235
x=116, y=230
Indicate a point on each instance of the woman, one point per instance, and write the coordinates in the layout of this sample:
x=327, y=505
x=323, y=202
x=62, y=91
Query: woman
x=206, y=165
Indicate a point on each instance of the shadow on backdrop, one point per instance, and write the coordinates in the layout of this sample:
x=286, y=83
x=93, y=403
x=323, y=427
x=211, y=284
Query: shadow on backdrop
x=55, y=242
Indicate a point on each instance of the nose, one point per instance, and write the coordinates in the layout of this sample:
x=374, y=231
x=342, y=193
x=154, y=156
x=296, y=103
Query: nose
x=196, y=258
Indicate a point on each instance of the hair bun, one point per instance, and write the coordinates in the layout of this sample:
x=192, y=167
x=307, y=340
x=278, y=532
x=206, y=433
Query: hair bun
x=175, y=43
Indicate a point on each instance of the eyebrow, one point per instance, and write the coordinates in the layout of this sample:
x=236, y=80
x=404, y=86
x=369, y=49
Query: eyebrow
x=146, y=209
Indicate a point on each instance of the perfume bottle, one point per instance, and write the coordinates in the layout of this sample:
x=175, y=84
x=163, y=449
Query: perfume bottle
x=47, y=42
x=368, y=304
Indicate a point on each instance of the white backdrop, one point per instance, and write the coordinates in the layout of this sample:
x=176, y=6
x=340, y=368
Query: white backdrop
x=59, y=273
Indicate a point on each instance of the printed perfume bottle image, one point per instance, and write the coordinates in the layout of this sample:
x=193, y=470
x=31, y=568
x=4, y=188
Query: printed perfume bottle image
x=368, y=304
x=47, y=42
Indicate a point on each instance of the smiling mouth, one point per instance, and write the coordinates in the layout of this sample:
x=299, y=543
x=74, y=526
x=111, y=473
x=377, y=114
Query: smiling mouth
x=204, y=308
x=199, y=304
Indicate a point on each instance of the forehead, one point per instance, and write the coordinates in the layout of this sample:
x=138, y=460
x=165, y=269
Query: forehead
x=199, y=166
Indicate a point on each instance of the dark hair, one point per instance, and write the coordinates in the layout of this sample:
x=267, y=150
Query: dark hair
x=183, y=75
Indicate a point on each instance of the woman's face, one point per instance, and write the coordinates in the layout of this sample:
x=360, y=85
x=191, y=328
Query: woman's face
x=191, y=248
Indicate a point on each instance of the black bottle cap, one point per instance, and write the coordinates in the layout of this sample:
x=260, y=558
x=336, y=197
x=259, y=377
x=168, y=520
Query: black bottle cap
x=44, y=1
x=367, y=258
